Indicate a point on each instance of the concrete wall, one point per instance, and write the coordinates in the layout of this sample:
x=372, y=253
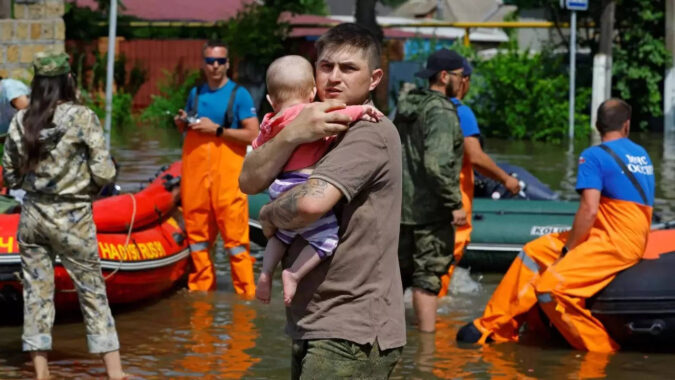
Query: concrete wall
x=37, y=26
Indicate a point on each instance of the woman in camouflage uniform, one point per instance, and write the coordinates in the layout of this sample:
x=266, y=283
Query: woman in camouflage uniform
x=56, y=152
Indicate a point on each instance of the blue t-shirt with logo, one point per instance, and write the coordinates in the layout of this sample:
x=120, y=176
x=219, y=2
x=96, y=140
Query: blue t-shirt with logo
x=467, y=119
x=598, y=170
x=213, y=103
x=10, y=89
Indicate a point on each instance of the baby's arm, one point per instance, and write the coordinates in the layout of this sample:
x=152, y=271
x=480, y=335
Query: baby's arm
x=363, y=112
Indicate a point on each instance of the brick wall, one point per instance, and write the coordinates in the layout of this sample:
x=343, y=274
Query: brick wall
x=37, y=26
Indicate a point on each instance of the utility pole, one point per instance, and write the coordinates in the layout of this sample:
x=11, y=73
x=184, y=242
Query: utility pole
x=669, y=87
x=112, y=36
x=602, y=65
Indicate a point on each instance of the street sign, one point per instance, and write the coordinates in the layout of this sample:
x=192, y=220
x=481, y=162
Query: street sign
x=576, y=5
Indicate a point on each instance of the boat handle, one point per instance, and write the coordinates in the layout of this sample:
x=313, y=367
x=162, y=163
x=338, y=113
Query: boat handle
x=656, y=328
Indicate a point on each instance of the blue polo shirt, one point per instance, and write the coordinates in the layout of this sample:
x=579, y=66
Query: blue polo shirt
x=10, y=89
x=467, y=119
x=598, y=170
x=213, y=103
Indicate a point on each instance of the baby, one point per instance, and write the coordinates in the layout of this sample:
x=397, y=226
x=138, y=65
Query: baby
x=290, y=86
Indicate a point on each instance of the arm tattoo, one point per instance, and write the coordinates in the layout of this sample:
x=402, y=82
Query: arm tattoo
x=285, y=209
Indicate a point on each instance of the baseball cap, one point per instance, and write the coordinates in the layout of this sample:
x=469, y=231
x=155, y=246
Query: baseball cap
x=51, y=64
x=440, y=60
x=468, y=69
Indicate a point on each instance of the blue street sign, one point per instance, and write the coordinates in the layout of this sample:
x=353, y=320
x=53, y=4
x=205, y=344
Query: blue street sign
x=576, y=5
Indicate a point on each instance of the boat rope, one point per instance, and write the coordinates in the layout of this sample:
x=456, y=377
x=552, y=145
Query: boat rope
x=126, y=244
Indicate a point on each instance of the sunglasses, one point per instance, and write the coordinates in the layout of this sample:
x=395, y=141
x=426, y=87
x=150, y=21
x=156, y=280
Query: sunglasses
x=211, y=60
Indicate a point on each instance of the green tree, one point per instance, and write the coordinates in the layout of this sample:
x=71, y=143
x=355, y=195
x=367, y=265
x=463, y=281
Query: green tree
x=640, y=56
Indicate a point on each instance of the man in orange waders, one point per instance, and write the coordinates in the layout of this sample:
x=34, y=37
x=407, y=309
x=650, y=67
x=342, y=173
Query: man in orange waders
x=560, y=271
x=220, y=121
x=474, y=157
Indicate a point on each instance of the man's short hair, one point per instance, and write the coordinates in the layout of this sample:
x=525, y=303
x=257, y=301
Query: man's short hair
x=210, y=44
x=350, y=34
x=612, y=114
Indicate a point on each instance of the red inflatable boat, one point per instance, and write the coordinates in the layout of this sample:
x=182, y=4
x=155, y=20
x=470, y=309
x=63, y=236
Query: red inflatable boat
x=142, y=247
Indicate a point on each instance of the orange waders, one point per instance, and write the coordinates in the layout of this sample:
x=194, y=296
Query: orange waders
x=212, y=201
x=561, y=285
x=462, y=233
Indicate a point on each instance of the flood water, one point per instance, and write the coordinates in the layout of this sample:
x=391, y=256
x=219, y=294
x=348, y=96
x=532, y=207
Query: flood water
x=217, y=335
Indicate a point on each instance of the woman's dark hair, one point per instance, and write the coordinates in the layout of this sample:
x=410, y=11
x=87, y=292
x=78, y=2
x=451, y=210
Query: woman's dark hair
x=46, y=93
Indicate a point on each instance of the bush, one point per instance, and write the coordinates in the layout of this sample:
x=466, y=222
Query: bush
x=524, y=95
x=121, y=107
x=173, y=93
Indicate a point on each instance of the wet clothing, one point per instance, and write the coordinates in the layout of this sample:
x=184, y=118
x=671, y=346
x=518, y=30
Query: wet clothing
x=356, y=294
x=10, y=89
x=305, y=155
x=469, y=125
x=337, y=358
x=322, y=235
x=210, y=192
x=425, y=253
x=433, y=149
x=56, y=218
x=616, y=241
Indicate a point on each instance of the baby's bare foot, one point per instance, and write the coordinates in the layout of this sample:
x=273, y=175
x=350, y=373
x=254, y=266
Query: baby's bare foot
x=290, y=284
x=264, y=288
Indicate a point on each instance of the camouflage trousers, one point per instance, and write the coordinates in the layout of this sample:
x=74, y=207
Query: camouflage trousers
x=341, y=359
x=425, y=253
x=48, y=228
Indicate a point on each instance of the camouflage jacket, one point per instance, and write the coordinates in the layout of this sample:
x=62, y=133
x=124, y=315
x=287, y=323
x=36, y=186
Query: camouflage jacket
x=433, y=148
x=75, y=162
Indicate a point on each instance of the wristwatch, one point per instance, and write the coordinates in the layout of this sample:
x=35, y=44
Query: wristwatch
x=219, y=130
x=564, y=251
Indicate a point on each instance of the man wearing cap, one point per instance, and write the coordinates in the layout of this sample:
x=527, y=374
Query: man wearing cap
x=13, y=97
x=432, y=150
x=474, y=158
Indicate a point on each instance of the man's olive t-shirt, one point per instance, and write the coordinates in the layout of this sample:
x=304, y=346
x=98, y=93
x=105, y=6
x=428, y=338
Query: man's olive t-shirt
x=356, y=294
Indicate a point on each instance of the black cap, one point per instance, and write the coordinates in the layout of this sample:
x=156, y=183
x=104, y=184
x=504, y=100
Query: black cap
x=440, y=60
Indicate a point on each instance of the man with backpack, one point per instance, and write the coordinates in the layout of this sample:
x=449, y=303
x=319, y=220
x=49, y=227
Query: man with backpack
x=219, y=121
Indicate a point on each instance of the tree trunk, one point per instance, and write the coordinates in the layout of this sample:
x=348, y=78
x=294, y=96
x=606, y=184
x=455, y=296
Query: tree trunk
x=365, y=16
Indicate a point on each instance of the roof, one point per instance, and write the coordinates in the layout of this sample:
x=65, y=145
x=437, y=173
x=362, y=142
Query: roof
x=456, y=10
x=176, y=10
x=348, y=8
x=449, y=33
x=315, y=31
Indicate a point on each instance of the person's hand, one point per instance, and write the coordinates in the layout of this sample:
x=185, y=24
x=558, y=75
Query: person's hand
x=371, y=114
x=459, y=217
x=512, y=184
x=268, y=228
x=179, y=120
x=316, y=121
x=204, y=125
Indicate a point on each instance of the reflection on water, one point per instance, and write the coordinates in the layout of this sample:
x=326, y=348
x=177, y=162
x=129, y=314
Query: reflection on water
x=217, y=335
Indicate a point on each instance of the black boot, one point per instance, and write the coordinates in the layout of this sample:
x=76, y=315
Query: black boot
x=468, y=334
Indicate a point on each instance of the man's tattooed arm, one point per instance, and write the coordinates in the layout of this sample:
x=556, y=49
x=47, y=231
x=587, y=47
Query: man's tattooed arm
x=302, y=205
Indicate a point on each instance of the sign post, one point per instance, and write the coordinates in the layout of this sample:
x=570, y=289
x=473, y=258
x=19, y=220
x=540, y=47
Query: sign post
x=574, y=6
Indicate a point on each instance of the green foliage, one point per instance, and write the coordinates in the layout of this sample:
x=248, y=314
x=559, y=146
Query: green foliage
x=524, y=95
x=121, y=106
x=639, y=54
x=173, y=91
x=258, y=33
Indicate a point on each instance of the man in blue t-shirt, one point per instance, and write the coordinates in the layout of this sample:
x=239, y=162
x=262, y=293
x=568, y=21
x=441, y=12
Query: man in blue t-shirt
x=220, y=121
x=474, y=158
x=559, y=271
x=13, y=97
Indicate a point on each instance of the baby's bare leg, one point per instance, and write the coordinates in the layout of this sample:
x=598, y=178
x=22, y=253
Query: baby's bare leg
x=274, y=251
x=306, y=261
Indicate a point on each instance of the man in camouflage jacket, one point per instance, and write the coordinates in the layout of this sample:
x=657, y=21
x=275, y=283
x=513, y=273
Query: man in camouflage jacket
x=433, y=148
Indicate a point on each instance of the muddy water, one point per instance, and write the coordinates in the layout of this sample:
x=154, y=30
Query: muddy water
x=214, y=336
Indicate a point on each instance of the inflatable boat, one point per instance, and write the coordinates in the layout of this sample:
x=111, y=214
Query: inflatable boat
x=638, y=307
x=141, y=244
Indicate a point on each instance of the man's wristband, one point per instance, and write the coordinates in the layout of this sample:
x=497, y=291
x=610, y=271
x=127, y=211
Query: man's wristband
x=219, y=130
x=564, y=251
